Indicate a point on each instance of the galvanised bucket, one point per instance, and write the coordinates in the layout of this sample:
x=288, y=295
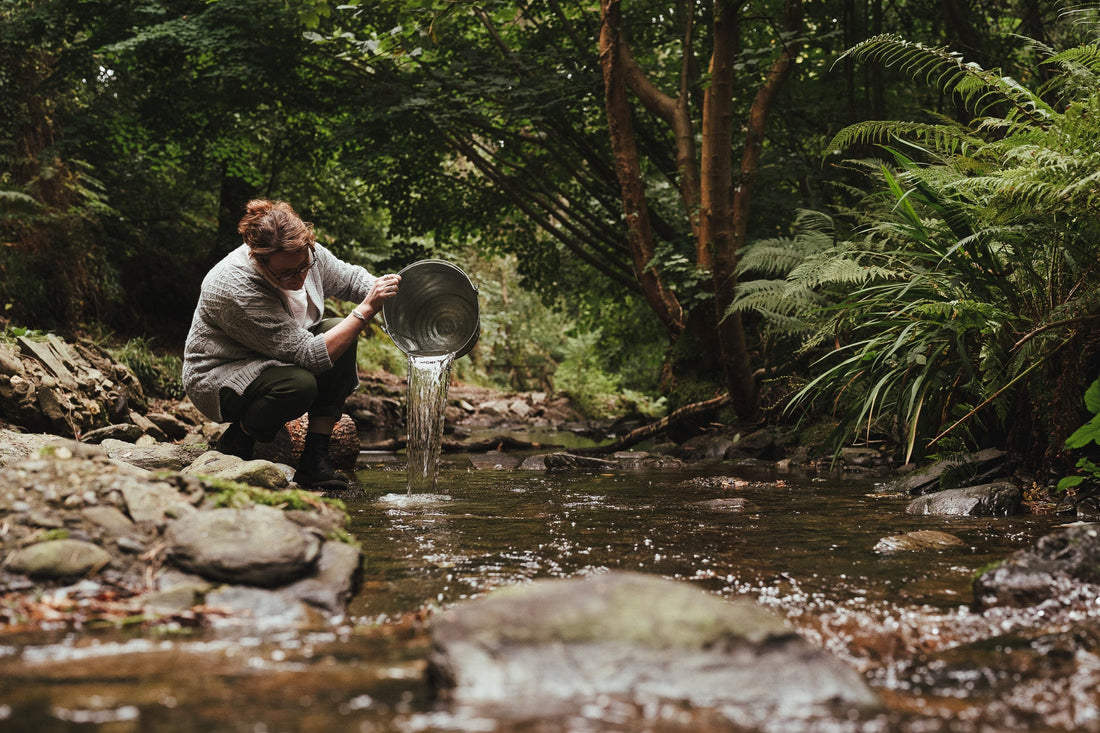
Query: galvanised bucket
x=435, y=311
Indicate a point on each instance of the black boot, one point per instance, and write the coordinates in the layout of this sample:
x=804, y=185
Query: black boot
x=315, y=469
x=236, y=442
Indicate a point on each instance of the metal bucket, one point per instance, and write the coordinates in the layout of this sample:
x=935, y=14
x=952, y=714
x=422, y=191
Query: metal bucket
x=435, y=311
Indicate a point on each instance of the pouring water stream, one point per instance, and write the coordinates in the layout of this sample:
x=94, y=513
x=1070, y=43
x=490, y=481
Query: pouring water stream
x=429, y=377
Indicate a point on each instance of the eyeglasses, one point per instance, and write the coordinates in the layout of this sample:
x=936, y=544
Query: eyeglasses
x=288, y=275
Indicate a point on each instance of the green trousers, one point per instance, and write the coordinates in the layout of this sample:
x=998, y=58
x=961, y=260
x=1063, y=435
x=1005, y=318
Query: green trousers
x=283, y=393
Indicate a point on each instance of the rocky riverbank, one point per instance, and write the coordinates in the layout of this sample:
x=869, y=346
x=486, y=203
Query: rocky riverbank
x=100, y=483
x=122, y=516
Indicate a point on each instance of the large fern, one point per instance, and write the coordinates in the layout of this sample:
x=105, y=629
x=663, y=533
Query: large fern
x=953, y=290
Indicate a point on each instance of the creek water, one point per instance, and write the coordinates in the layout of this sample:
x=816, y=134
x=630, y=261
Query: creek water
x=803, y=547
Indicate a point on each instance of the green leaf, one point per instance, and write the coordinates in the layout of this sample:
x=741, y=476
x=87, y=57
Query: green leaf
x=1087, y=433
x=1069, y=482
x=1092, y=398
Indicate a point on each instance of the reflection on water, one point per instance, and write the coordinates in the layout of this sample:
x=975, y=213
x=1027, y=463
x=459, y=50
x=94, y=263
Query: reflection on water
x=429, y=377
x=802, y=547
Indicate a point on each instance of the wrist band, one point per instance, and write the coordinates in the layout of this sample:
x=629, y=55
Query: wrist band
x=360, y=316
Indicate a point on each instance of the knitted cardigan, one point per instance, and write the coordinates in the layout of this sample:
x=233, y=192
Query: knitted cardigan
x=242, y=325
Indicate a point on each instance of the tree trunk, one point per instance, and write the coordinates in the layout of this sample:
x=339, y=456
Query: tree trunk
x=726, y=202
x=716, y=198
x=233, y=196
x=629, y=172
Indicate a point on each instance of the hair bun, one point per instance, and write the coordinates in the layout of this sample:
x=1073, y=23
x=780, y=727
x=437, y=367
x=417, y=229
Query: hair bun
x=258, y=206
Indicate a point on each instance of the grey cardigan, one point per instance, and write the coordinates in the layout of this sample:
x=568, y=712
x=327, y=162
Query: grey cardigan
x=242, y=326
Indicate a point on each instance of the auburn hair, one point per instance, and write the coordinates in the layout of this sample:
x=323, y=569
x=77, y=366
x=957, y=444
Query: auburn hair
x=269, y=227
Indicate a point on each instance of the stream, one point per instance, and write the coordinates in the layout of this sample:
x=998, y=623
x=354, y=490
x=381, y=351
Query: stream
x=803, y=547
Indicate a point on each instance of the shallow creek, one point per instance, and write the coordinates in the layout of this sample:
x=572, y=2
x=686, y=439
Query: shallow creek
x=804, y=547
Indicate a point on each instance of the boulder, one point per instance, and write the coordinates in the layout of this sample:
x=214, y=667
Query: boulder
x=1059, y=566
x=259, y=608
x=257, y=545
x=635, y=636
x=259, y=473
x=988, y=500
x=333, y=581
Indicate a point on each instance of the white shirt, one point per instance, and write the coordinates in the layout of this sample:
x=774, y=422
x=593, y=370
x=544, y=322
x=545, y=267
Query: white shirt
x=301, y=307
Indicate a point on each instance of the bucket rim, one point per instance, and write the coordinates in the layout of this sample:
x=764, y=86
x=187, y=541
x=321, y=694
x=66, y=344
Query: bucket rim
x=387, y=306
x=437, y=261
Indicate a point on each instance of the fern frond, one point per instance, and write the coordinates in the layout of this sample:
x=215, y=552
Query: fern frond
x=770, y=257
x=946, y=139
x=834, y=271
x=946, y=70
x=778, y=297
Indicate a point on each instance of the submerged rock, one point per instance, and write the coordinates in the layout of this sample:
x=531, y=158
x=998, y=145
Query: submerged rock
x=735, y=504
x=639, y=636
x=922, y=539
x=570, y=461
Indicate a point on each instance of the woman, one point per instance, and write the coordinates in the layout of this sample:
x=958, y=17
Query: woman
x=259, y=354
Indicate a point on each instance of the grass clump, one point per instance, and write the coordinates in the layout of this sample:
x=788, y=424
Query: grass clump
x=159, y=374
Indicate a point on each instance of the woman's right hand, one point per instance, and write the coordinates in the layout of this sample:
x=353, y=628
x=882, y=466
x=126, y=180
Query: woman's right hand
x=382, y=290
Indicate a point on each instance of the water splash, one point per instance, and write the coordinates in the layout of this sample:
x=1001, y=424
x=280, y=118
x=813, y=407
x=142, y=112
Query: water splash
x=429, y=377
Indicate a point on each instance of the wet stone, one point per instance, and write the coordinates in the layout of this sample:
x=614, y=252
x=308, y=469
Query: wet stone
x=568, y=461
x=736, y=504
x=533, y=463
x=259, y=608
x=923, y=539
x=1058, y=566
x=332, y=582
x=988, y=500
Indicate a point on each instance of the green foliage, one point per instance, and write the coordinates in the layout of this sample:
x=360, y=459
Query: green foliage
x=1090, y=431
x=940, y=306
x=596, y=393
x=579, y=376
x=1082, y=437
x=160, y=374
x=9, y=333
x=378, y=352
